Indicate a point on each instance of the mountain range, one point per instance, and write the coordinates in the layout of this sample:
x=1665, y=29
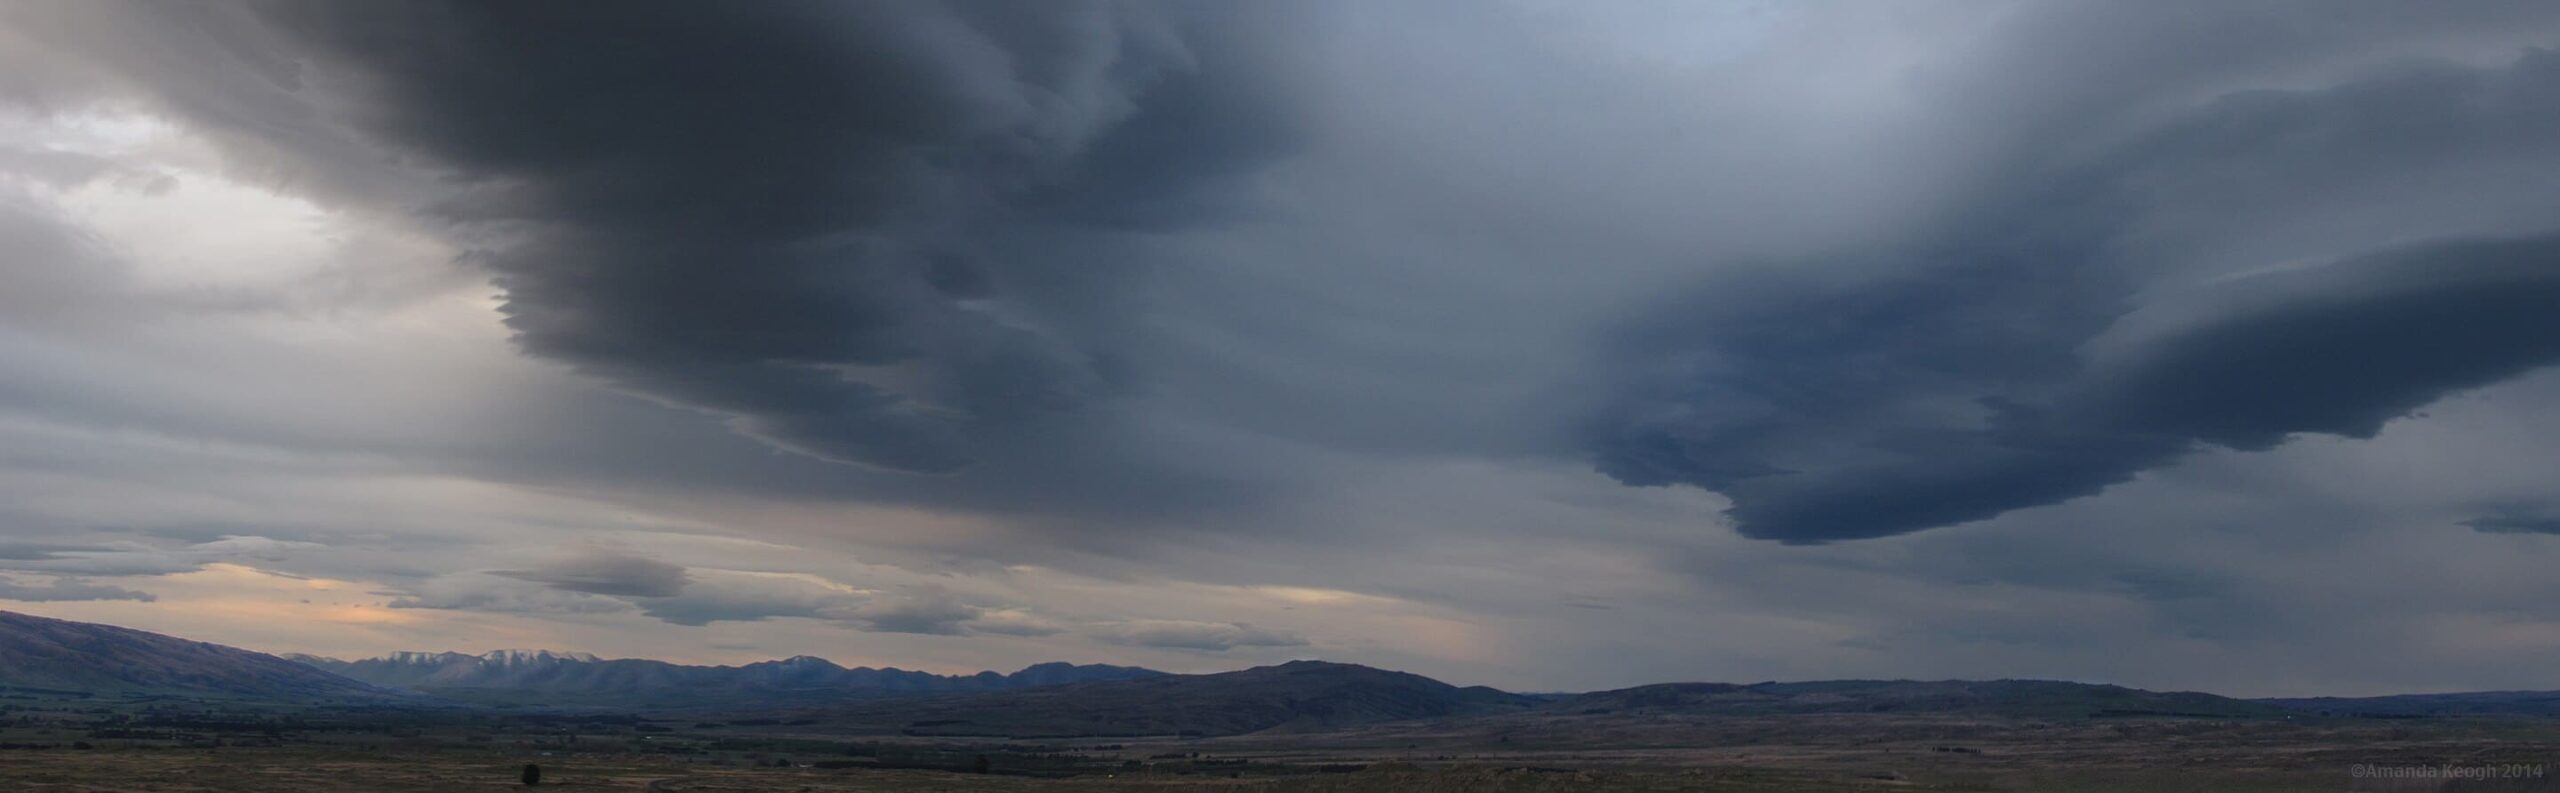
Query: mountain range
x=44, y=657
x=543, y=677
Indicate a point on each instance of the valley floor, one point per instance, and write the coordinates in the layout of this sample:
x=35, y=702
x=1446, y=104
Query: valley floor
x=1770, y=756
x=168, y=745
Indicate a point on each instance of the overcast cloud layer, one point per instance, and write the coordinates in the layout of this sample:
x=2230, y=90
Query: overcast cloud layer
x=1537, y=344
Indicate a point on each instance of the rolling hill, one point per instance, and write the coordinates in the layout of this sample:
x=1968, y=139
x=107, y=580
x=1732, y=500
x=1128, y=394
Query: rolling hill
x=59, y=656
x=1295, y=696
x=2020, y=698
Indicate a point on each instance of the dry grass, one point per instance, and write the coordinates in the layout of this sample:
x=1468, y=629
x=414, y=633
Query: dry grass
x=1763, y=755
x=292, y=769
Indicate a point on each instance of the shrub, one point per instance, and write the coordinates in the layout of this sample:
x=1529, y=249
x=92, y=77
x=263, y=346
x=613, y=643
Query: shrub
x=532, y=774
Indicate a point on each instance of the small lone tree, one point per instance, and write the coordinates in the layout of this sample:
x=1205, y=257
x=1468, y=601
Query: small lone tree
x=532, y=774
x=980, y=765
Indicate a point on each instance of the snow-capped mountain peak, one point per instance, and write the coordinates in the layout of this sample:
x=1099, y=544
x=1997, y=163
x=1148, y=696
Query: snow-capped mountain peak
x=524, y=657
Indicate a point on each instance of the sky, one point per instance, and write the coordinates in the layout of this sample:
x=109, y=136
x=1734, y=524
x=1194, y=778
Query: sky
x=1537, y=344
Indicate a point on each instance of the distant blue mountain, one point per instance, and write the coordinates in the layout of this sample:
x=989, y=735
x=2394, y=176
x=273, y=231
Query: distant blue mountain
x=542, y=677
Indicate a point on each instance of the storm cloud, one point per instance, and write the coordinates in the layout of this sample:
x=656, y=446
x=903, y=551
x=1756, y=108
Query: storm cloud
x=782, y=215
x=2049, y=346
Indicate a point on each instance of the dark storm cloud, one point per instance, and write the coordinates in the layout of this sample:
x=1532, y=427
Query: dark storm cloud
x=2023, y=353
x=912, y=236
x=2338, y=349
x=607, y=571
x=781, y=212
